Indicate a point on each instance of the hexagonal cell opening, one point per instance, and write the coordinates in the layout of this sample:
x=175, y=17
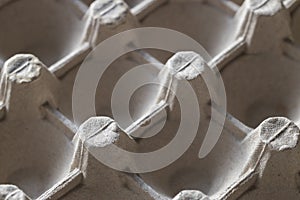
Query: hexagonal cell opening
x=108, y=89
x=48, y=29
x=191, y=18
x=34, y=156
x=210, y=175
x=262, y=86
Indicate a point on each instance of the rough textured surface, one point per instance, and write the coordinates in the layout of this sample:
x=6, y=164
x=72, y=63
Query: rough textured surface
x=98, y=132
x=11, y=192
x=254, y=44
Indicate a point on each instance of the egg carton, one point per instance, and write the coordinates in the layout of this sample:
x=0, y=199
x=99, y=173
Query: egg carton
x=46, y=154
